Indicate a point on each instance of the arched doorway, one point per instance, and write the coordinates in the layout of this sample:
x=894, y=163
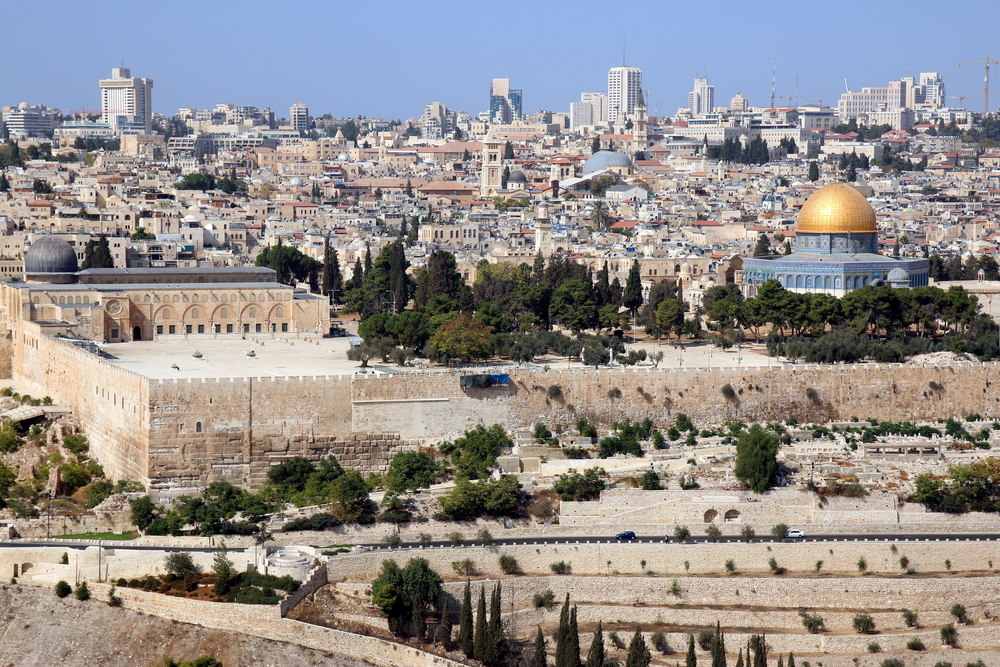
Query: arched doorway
x=710, y=516
x=137, y=333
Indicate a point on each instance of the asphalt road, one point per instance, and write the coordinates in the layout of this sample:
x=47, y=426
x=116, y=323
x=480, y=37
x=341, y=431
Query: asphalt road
x=528, y=541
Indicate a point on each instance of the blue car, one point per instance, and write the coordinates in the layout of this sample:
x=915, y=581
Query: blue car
x=627, y=535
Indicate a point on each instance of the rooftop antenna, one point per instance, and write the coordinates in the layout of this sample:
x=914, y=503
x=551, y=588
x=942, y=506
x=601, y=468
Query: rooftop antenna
x=908, y=72
x=774, y=75
x=623, y=52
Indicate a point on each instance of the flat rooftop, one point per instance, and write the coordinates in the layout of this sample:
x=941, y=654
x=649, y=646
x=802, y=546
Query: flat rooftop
x=227, y=357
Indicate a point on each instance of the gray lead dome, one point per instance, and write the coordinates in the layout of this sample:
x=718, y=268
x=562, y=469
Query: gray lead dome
x=605, y=159
x=50, y=254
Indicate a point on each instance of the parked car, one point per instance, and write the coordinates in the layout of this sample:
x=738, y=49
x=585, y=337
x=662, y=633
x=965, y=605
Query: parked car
x=627, y=535
x=795, y=532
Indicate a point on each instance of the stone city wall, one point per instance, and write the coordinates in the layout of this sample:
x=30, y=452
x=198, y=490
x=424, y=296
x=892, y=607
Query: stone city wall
x=435, y=405
x=667, y=560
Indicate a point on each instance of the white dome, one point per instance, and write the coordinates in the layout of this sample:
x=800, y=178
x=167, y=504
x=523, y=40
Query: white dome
x=343, y=156
x=296, y=181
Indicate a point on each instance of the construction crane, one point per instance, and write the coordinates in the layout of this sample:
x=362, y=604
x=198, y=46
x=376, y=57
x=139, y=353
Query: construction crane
x=961, y=99
x=986, y=80
x=819, y=98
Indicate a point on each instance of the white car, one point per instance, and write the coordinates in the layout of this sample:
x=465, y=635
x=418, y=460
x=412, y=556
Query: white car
x=795, y=532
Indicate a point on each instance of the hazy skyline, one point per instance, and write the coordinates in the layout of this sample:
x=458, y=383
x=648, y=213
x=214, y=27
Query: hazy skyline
x=390, y=59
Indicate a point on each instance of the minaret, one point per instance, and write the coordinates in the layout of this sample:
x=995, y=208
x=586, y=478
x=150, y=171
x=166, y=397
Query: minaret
x=543, y=230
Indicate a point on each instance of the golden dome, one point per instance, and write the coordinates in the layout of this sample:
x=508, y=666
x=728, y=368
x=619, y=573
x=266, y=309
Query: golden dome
x=836, y=208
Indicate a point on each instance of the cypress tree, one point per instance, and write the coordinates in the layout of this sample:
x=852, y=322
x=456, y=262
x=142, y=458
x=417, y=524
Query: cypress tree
x=419, y=618
x=638, y=654
x=632, y=296
x=596, y=656
x=791, y=659
x=465, y=638
x=444, y=628
x=739, y=659
x=813, y=171
x=572, y=656
x=540, y=659
x=358, y=276
x=481, y=639
x=494, y=632
x=691, y=660
x=718, y=647
x=781, y=661
x=368, y=259
x=4, y=183
x=561, y=632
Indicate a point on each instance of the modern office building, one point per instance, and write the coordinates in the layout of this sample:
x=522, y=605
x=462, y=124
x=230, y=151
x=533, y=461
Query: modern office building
x=505, y=102
x=298, y=117
x=438, y=121
x=25, y=121
x=701, y=100
x=624, y=91
x=127, y=102
x=592, y=109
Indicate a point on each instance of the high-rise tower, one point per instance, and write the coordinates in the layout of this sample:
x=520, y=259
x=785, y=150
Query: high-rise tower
x=701, y=100
x=127, y=101
x=505, y=102
x=624, y=91
x=298, y=116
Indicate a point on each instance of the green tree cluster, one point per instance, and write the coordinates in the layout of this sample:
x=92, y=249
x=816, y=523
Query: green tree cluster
x=404, y=594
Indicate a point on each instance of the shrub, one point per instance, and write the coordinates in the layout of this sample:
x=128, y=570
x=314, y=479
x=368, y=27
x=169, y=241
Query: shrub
x=915, y=645
x=456, y=538
x=780, y=531
x=509, y=565
x=65, y=559
x=682, y=532
x=705, y=639
x=554, y=391
x=862, y=565
x=713, y=533
x=874, y=647
x=747, y=533
x=425, y=538
x=485, y=537
x=562, y=567
x=775, y=568
x=81, y=591
x=659, y=642
x=63, y=589
x=812, y=622
x=729, y=393
x=318, y=521
x=910, y=619
x=958, y=611
x=731, y=566
x=113, y=599
x=393, y=539
x=465, y=567
x=675, y=588
x=546, y=599
x=892, y=662
x=75, y=444
x=864, y=623
x=904, y=563
x=180, y=564
x=819, y=565
x=949, y=635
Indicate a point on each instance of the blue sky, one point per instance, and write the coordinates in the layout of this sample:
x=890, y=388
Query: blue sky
x=389, y=59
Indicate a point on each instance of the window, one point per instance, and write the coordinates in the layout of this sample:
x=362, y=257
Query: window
x=197, y=427
x=258, y=328
x=114, y=333
x=201, y=328
x=246, y=328
x=159, y=329
x=167, y=315
x=187, y=328
x=172, y=329
x=224, y=313
x=284, y=326
x=195, y=314
x=253, y=313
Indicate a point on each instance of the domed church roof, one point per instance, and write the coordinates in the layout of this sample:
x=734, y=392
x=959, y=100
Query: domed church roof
x=604, y=159
x=836, y=208
x=50, y=254
x=517, y=177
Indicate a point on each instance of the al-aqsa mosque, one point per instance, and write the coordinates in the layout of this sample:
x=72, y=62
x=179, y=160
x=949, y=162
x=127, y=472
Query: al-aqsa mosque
x=835, y=250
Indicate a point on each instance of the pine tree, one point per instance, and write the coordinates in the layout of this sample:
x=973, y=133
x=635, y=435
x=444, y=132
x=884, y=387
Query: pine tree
x=763, y=247
x=419, y=617
x=481, y=637
x=596, y=656
x=638, y=653
x=814, y=171
x=691, y=660
x=465, y=637
x=632, y=296
x=444, y=627
x=540, y=659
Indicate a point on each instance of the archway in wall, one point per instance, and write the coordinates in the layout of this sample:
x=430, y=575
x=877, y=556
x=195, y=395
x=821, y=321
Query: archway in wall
x=732, y=515
x=136, y=333
x=710, y=516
